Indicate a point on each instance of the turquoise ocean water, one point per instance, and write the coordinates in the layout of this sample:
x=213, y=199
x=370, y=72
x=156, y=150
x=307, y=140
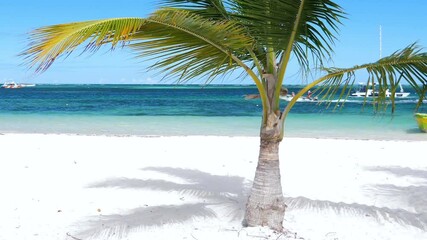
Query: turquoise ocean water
x=173, y=110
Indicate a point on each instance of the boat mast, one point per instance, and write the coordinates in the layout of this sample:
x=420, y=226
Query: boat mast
x=381, y=40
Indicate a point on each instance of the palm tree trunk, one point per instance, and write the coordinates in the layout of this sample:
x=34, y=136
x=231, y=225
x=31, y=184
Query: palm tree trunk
x=266, y=205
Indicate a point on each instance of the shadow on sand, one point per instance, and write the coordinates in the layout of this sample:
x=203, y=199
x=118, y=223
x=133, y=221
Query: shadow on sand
x=230, y=193
x=414, y=195
x=226, y=192
x=400, y=216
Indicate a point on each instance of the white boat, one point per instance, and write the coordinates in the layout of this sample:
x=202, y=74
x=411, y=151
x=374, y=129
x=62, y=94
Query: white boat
x=363, y=91
x=368, y=91
x=16, y=85
x=401, y=94
x=289, y=98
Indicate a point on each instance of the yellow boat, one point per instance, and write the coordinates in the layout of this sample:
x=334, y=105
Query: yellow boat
x=422, y=121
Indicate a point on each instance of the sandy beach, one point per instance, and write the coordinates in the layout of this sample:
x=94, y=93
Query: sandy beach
x=195, y=187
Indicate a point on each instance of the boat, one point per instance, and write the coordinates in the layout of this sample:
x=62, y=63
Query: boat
x=422, y=121
x=10, y=85
x=16, y=85
x=400, y=94
x=365, y=90
x=368, y=91
x=289, y=98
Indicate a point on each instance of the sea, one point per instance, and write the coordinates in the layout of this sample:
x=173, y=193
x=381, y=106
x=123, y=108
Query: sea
x=182, y=110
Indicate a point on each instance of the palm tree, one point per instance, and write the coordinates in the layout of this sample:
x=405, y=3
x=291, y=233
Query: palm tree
x=210, y=38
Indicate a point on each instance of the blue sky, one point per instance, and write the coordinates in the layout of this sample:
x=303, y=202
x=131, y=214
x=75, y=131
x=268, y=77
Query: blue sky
x=402, y=21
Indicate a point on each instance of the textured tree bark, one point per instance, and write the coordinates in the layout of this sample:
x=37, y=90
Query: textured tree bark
x=266, y=205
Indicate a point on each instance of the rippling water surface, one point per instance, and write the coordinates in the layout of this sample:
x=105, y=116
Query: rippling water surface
x=189, y=110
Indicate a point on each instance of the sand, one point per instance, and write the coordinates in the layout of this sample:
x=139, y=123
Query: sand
x=195, y=187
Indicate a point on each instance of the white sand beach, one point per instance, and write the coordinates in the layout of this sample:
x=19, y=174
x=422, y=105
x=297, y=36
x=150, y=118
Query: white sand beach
x=195, y=187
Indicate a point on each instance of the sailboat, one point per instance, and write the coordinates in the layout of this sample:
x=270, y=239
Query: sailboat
x=365, y=90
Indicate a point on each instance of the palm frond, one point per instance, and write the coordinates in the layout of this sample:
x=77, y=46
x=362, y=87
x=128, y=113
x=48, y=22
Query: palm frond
x=48, y=43
x=182, y=41
x=409, y=65
x=272, y=22
x=212, y=9
x=406, y=66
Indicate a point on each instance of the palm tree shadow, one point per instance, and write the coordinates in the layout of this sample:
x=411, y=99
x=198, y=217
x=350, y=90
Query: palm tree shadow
x=403, y=217
x=227, y=193
x=119, y=225
x=415, y=196
x=199, y=184
x=402, y=172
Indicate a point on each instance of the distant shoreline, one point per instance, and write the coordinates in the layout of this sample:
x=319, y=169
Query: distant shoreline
x=52, y=134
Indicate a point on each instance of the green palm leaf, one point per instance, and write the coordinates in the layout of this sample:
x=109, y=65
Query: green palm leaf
x=212, y=9
x=49, y=43
x=188, y=45
x=272, y=22
x=185, y=43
